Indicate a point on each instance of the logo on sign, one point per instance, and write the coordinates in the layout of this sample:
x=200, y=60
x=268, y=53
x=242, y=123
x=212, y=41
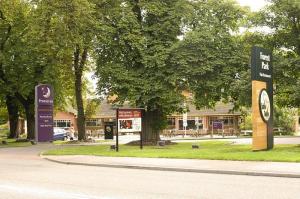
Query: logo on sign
x=264, y=105
x=46, y=92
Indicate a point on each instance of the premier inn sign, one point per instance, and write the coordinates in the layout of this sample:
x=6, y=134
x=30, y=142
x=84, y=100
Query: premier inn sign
x=44, y=113
x=262, y=98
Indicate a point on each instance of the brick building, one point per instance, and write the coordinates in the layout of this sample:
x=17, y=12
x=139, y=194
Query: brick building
x=197, y=120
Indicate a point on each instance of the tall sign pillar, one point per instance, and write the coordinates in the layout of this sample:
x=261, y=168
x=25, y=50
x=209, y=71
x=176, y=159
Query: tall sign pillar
x=262, y=99
x=43, y=113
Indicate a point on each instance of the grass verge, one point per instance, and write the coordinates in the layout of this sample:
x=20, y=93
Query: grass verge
x=66, y=142
x=212, y=150
x=13, y=143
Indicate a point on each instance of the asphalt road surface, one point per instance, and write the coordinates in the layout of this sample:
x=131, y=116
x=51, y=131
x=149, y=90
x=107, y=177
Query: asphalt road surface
x=23, y=174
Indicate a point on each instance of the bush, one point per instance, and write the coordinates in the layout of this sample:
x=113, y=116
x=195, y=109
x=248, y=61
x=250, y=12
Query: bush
x=4, y=131
x=284, y=118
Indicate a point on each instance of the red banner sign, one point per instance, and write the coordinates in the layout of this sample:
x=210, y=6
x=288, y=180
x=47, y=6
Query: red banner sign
x=129, y=113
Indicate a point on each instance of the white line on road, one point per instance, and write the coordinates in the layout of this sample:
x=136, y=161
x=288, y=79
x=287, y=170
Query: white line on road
x=43, y=193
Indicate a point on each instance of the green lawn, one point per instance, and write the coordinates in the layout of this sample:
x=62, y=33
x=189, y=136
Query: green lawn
x=3, y=131
x=66, y=142
x=10, y=142
x=13, y=143
x=213, y=150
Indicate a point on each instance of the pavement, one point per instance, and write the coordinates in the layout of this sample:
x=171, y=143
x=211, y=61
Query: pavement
x=252, y=168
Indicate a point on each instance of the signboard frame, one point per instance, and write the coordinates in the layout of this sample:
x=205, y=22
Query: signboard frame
x=262, y=80
x=44, y=98
x=131, y=114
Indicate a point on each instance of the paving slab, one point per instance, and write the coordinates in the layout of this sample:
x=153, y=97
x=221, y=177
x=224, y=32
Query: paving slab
x=254, y=168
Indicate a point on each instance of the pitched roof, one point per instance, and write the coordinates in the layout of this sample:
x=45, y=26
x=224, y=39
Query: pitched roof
x=108, y=110
x=219, y=109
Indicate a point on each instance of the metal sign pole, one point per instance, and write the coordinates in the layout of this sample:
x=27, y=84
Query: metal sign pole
x=212, y=132
x=141, y=142
x=141, y=134
x=222, y=128
x=117, y=133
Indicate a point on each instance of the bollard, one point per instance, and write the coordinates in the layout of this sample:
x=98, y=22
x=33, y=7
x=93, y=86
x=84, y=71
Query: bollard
x=113, y=147
x=161, y=143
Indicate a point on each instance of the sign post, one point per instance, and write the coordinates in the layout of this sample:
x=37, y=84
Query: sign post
x=43, y=113
x=262, y=99
x=117, y=134
x=129, y=121
x=197, y=124
x=184, y=122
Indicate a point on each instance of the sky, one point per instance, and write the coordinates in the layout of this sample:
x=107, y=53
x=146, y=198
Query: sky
x=254, y=5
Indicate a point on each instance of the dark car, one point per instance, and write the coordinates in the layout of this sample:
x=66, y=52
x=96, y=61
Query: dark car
x=59, y=134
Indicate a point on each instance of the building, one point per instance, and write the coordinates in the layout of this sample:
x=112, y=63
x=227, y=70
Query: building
x=220, y=120
x=65, y=120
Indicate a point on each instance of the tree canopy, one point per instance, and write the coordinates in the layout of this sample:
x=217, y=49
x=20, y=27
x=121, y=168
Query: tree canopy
x=146, y=52
x=141, y=57
x=283, y=18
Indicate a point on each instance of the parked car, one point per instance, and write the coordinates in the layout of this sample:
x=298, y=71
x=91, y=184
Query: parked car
x=246, y=132
x=59, y=134
x=70, y=133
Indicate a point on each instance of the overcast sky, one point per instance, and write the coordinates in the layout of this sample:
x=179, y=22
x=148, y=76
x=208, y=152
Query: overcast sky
x=255, y=5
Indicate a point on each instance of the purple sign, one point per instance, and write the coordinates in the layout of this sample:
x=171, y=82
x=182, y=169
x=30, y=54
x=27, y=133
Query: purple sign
x=217, y=125
x=43, y=113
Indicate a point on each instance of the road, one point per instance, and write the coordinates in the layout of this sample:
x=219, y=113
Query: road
x=23, y=174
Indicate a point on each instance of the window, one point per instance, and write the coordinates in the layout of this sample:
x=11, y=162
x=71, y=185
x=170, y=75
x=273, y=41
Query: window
x=211, y=119
x=190, y=124
x=227, y=120
x=93, y=122
x=171, y=121
x=62, y=123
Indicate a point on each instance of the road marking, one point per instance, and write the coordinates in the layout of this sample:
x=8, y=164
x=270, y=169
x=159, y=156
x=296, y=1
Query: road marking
x=44, y=193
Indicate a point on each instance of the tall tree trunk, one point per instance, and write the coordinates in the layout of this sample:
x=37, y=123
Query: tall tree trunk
x=150, y=126
x=13, y=115
x=29, y=112
x=79, y=63
x=28, y=105
x=80, y=108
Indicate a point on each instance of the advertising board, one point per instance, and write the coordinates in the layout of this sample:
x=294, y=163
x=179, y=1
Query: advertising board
x=43, y=113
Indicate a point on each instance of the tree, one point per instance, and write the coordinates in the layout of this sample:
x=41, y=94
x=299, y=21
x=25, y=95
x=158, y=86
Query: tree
x=211, y=56
x=12, y=15
x=284, y=118
x=141, y=59
x=42, y=61
x=239, y=90
x=3, y=112
x=283, y=17
x=132, y=52
x=287, y=80
x=73, y=23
